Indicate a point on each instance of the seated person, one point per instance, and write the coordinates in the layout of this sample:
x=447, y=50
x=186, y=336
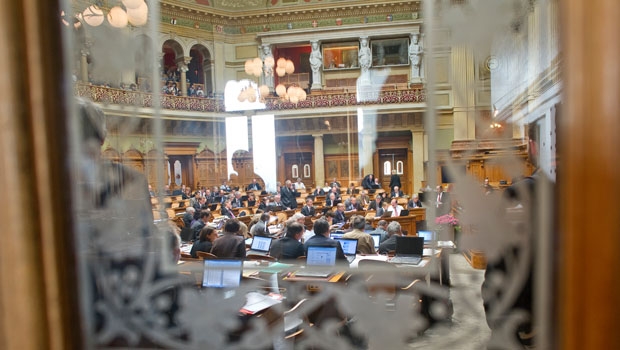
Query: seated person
x=395, y=207
x=318, y=192
x=414, y=202
x=364, y=199
x=331, y=200
x=254, y=186
x=308, y=209
x=368, y=181
x=365, y=243
x=202, y=221
x=321, y=238
x=236, y=201
x=385, y=207
x=376, y=185
x=299, y=185
x=335, y=183
x=251, y=200
x=205, y=241
x=261, y=228
x=277, y=202
x=230, y=244
x=396, y=193
x=351, y=188
x=289, y=247
x=227, y=209
x=265, y=204
x=376, y=204
x=382, y=230
x=393, y=230
x=326, y=188
x=339, y=217
x=224, y=187
x=188, y=217
x=353, y=205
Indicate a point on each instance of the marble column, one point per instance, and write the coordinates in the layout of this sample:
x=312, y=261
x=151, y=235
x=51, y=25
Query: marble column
x=84, y=65
x=463, y=88
x=319, y=160
x=183, y=69
x=366, y=152
x=418, y=159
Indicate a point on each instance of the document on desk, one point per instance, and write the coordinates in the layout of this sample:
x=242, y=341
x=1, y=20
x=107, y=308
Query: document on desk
x=430, y=252
x=446, y=244
x=256, y=302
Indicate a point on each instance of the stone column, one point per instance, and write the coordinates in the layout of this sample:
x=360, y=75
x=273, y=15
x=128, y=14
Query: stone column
x=366, y=152
x=219, y=66
x=182, y=64
x=418, y=159
x=84, y=65
x=463, y=90
x=207, y=71
x=319, y=160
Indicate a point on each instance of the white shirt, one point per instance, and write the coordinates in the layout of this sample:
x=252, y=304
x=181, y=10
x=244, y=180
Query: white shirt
x=395, y=211
x=300, y=185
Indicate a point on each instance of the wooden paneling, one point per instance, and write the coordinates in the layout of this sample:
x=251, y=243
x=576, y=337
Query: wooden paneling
x=341, y=168
x=211, y=169
x=588, y=191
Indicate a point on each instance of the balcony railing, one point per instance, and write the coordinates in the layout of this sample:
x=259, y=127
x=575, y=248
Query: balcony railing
x=324, y=99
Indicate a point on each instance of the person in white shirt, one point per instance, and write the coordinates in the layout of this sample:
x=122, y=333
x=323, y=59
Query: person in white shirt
x=299, y=185
x=396, y=209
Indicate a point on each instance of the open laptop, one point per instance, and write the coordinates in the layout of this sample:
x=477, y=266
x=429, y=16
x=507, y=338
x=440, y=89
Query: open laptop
x=320, y=262
x=222, y=273
x=260, y=245
x=404, y=212
x=349, y=247
x=408, y=250
x=187, y=234
x=336, y=234
x=376, y=237
x=429, y=236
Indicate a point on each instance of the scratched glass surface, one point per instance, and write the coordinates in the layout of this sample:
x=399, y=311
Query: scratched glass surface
x=460, y=94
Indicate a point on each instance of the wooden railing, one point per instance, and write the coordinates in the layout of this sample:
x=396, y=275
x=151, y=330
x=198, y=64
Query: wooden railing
x=201, y=104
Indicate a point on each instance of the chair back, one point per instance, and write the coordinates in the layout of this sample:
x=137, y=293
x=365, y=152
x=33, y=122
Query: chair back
x=205, y=255
x=260, y=257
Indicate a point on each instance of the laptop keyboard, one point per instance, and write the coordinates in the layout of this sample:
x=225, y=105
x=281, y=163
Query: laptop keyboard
x=313, y=273
x=411, y=260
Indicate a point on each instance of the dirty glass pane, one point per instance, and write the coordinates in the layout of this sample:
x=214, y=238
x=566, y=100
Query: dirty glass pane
x=194, y=118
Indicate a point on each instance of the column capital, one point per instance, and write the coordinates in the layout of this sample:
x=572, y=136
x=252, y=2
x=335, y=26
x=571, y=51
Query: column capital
x=187, y=59
x=317, y=135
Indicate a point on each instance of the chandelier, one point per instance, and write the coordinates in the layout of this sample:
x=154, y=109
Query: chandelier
x=258, y=67
x=133, y=12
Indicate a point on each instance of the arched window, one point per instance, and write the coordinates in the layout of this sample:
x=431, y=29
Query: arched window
x=306, y=170
x=387, y=168
x=295, y=171
x=178, y=176
x=399, y=167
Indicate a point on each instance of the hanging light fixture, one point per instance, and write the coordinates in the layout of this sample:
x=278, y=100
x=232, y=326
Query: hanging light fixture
x=135, y=12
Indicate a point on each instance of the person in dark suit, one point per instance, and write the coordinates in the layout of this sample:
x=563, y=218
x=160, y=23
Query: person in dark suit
x=318, y=191
x=339, y=214
x=289, y=201
x=321, y=239
x=368, y=181
x=308, y=209
x=265, y=204
x=289, y=247
x=396, y=192
x=376, y=185
x=230, y=244
x=188, y=217
x=335, y=183
x=393, y=230
x=331, y=200
x=443, y=202
x=414, y=202
x=236, y=201
x=353, y=205
x=227, y=210
x=395, y=180
x=376, y=204
x=202, y=221
x=261, y=228
x=254, y=186
x=251, y=200
x=205, y=241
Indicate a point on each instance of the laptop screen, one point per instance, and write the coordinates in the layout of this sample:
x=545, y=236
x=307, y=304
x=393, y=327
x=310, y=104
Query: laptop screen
x=377, y=238
x=261, y=243
x=336, y=235
x=409, y=245
x=321, y=256
x=428, y=236
x=349, y=246
x=222, y=273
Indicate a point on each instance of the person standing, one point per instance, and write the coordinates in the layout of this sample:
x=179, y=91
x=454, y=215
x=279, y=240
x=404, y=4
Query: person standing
x=395, y=180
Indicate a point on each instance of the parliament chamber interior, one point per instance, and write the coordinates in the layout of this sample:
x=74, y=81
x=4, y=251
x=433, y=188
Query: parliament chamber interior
x=316, y=174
